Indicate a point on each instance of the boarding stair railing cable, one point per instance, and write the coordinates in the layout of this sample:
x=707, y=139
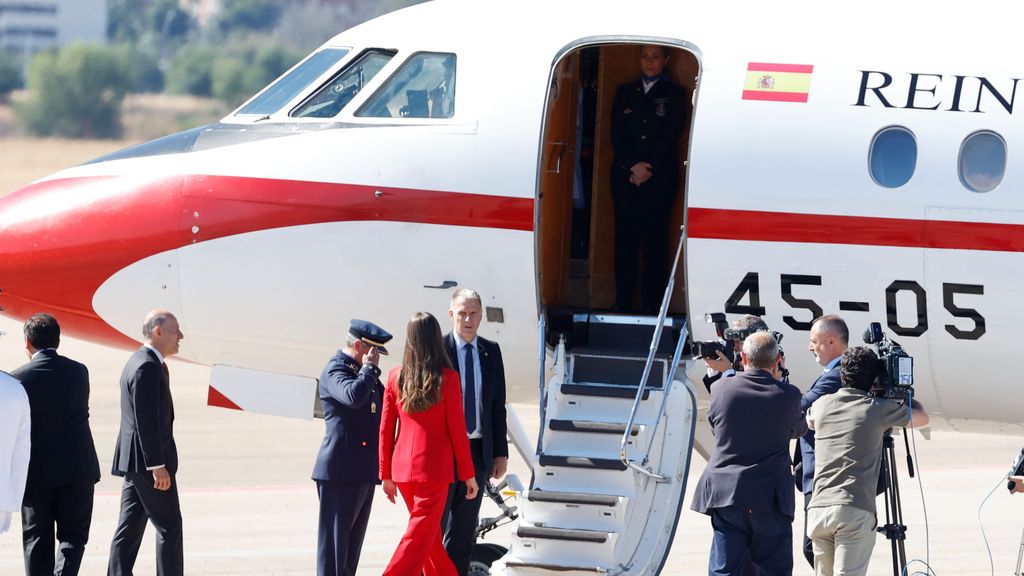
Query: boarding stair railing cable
x=641, y=466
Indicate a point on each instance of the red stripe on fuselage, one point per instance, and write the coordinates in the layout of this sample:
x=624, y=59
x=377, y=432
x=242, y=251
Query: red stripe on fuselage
x=755, y=226
x=61, y=239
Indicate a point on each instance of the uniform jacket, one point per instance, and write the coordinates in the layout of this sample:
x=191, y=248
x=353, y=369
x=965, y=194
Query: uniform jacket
x=647, y=127
x=753, y=417
x=352, y=398
x=146, y=437
x=493, y=425
x=63, y=451
x=827, y=383
x=425, y=443
x=15, y=444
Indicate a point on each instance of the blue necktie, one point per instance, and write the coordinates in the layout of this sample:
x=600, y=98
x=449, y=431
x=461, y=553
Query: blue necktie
x=470, y=393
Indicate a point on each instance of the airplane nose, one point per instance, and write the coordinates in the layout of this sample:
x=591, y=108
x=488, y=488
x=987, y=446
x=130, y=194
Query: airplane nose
x=60, y=239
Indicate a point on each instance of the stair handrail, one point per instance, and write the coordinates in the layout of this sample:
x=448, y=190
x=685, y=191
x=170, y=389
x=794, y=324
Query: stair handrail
x=542, y=325
x=667, y=387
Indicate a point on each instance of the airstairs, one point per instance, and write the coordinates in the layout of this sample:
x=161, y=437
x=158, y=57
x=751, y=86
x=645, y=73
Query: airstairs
x=610, y=471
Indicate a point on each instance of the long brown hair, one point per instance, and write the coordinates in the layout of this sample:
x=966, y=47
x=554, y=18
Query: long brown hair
x=419, y=382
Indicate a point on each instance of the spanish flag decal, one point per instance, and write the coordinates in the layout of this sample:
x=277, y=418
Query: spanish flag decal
x=777, y=82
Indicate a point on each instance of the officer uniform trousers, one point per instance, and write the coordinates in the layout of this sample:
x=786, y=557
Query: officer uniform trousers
x=344, y=515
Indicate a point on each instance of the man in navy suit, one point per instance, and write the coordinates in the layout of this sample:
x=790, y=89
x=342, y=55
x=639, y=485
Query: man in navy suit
x=828, y=341
x=145, y=453
x=482, y=374
x=63, y=469
x=346, y=466
x=747, y=485
x=647, y=120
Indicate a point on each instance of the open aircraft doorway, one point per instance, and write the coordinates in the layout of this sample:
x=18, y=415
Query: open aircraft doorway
x=618, y=418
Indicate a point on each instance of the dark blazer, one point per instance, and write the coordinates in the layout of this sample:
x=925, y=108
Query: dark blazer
x=63, y=452
x=432, y=443
x=753, y=417
x=827, y=383
x=647, y=127
x=492, y=398
x=146, y=437
x=352, y=397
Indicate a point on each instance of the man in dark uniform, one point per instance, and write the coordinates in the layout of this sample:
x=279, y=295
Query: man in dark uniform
x=63, y=471
x=346, y=466
x=648, y=116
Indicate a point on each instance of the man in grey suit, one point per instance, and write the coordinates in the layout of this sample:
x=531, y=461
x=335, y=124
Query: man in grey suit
x=145, y=453
x=63, y=471
x=747, y=487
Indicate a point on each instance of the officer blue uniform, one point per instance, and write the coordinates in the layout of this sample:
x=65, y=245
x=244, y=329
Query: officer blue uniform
x=346, y=466
x=645, y=127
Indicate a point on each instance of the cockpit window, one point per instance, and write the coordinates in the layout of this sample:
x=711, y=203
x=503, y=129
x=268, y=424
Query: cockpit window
x=285, y=88
x=329, y=100
x=424, y=87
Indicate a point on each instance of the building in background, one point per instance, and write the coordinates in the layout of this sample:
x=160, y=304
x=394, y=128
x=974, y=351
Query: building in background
x=27, y=26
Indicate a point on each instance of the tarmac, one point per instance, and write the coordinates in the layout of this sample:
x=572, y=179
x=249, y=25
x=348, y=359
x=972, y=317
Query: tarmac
x=249, y=506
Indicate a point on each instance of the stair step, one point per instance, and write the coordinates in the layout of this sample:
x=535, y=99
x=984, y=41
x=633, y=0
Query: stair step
x=606, y=369
x=555, y=567
x=581, y=462
x=572, y=498
x=603, y=391
x=562, y=534
x=617, y=428
x=631, y=334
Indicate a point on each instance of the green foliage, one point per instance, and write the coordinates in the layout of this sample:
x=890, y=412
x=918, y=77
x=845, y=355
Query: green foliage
x=142, y=67
x=256, y=15
x=10, y=74
x=75, y=93
x=148, y=21
x=191, y=71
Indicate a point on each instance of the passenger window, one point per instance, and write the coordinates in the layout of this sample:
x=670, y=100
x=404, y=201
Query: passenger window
x=424, y=87
x=893, y=157
x=291, y=84
x=982, y=161
x=329, y=100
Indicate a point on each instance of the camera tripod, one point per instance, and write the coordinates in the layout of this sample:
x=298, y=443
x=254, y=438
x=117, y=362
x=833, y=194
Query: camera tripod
x=894, y=528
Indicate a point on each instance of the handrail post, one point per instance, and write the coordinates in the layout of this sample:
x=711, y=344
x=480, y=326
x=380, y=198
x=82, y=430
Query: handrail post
x=667, y=386
x=542, y=325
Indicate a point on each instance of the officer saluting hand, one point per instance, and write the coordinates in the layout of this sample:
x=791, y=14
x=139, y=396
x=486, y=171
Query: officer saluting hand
x=346, y=466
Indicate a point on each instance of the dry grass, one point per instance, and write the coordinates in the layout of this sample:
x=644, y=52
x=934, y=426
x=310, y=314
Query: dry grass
x=24, y=159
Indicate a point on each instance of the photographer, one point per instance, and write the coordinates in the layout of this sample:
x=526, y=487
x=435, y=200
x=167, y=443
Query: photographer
x=747, y=485
x=850, y=425
x=828, y=340
x=722, y=366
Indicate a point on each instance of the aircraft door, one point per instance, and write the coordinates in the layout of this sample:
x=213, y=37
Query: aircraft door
x=558, y=159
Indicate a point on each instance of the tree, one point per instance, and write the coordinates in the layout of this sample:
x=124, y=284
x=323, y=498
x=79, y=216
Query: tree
x=10, y=74
x=191, y=71
x=75, y=93
x=256, y=15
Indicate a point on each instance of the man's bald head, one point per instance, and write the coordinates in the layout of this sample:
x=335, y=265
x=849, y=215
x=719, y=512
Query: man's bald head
x=760, y=350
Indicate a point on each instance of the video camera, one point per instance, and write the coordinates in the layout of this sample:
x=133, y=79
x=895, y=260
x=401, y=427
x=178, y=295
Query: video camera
x=726, y=339
x=895, y=367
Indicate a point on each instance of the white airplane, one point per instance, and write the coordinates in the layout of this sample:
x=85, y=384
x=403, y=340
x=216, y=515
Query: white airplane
x=856, y=162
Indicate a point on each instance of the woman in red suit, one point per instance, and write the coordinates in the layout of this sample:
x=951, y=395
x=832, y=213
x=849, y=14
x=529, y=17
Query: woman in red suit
x=423, y=397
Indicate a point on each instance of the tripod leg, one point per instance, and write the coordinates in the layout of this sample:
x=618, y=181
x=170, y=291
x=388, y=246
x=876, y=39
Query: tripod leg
x=1020, y=555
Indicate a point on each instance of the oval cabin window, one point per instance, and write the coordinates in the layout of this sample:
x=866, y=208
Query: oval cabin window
x=982, y=162
x=893, y=157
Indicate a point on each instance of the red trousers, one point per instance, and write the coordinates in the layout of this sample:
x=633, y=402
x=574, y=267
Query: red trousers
x=421, y=549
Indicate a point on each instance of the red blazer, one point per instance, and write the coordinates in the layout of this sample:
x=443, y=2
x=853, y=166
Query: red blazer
x=426, y=442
